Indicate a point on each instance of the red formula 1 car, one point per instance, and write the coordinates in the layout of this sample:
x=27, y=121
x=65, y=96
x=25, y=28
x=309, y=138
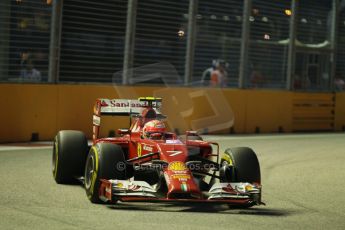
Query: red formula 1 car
x=148, y=163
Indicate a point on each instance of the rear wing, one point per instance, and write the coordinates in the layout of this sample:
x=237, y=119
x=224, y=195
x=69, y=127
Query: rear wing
x=122, y=107
x=126, y=107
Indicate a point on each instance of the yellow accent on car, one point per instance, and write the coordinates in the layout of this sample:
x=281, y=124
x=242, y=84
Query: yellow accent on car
x=94, y=174
x=149, y=99
x=120, y=185
x=228, y=159
x=181, y=176
x=139, y=150
x=249, y=188
x=177, y=166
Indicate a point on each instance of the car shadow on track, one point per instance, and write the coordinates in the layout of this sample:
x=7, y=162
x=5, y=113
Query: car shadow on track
x=194, y=207
x=201, y=208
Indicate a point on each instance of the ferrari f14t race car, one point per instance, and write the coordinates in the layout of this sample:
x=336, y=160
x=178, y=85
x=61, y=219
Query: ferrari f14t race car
x=148, y=163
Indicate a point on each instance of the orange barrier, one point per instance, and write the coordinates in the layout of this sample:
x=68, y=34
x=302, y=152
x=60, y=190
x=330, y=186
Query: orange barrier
x=313, y=111
x=339, y=116
x=45, y=109
x=28, y=109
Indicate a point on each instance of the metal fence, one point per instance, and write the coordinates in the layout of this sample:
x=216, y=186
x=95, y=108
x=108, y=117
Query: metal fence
x=287, y=44
x=92, y=40
x=24, y=40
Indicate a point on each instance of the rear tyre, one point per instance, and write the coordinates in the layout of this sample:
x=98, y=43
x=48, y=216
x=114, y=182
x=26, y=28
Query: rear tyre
x=105, y=161
x=69, y=155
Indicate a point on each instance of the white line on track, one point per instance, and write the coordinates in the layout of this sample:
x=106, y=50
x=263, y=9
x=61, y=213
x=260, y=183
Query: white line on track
x=26, y=146
x=270, y=136
x=16, y=148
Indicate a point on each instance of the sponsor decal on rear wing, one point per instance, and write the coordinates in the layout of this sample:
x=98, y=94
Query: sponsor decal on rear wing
x=126, y=106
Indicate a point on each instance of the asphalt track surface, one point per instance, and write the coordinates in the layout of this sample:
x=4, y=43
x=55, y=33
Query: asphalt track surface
x=303, y=180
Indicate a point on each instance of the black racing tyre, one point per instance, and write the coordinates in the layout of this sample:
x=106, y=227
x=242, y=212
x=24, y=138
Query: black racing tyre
x=245, y=164
x=69, y=155
x=105, y=161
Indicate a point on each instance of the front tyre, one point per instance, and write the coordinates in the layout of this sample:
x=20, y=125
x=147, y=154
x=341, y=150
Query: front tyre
x=240, y=165
x=244, y=165
x=105, y=161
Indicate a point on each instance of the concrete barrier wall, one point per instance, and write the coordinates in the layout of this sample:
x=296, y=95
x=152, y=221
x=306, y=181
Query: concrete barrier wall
x=27, y=109
x=45, y=109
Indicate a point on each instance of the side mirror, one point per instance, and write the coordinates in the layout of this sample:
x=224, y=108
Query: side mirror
x=122, y=132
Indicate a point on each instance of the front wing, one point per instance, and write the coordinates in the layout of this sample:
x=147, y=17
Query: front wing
x=140, y=191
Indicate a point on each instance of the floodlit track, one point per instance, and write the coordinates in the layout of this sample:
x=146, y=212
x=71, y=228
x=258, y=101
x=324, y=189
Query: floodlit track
x=302, y=176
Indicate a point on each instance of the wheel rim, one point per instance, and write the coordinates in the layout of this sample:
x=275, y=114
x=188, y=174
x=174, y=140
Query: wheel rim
x=89, y=171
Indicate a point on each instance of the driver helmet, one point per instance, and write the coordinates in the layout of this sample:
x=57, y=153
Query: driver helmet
x=153, y=129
